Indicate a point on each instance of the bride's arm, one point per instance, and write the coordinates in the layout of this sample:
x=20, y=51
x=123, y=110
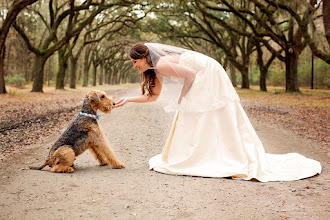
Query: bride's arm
x=144, y=98
x=169, y=69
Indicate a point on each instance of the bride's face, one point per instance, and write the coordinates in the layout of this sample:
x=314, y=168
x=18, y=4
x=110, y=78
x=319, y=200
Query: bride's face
x=140, y=64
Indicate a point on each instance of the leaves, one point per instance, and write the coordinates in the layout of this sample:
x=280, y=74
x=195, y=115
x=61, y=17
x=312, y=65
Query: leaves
x=25, y=119
x=306, y=114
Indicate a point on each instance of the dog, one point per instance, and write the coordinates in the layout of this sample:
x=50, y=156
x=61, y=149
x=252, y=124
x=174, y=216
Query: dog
x=82, y=134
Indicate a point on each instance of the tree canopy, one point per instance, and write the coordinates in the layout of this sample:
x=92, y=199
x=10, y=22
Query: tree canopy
x=91, y=38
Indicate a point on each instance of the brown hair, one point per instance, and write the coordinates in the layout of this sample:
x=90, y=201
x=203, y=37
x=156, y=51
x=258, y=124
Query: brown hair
x=147, y=78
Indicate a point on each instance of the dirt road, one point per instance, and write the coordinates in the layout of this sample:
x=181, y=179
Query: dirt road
x=137, y=132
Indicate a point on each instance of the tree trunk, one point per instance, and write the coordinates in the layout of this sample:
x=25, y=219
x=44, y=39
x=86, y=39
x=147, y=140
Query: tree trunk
x=73, y=77
x=15, y=9
x=86, y=67
x=326, y=19
x=110, y=70
x=246, y=51
x=111, y=78
x=101, y=73
x=94, y=75
x=262, y=68
x=7, y=55
x=245, y=78
x=118, y=74
x=63, y=65
x=2, y=74
x=106, y=75
x=233, y=74
x=86, y=72
x=49, y=72
x=262, y=80
x=108, y=78
x=38, y=73
x=115, y=76
x=291, y=73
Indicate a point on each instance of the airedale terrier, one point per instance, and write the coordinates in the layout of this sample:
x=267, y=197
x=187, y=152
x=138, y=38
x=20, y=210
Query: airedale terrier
x=82, y=134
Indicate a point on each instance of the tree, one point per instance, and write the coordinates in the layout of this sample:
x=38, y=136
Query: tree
x=55, y=40
x=114, y=62
x=263, y=67
x=107, y=25
x=273, y=24
x=238, y=48
x=241, y=27
x=14, y=10
x=326, y=19
x=194, y=20
x=306, y=20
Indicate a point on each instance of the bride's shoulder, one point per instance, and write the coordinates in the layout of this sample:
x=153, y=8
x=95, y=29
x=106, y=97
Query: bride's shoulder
x=169, y=59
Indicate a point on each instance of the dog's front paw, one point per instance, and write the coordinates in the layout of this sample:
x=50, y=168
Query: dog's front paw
x=104, y=164
x=119, y=165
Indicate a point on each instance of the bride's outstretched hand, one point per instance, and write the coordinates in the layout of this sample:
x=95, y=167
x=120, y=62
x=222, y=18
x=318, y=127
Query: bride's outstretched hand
x=121, y=102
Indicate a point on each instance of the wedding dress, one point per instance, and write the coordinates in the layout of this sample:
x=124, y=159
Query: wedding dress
x=211, y=135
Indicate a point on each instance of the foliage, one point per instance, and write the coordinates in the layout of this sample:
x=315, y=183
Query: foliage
x=219, y=29
x=254, y=74
x=17, y=81
x=321, y=74
x=307, y=98
x=276, y=77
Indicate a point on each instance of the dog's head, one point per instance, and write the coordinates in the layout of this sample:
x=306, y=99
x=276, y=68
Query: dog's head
x=99, y=101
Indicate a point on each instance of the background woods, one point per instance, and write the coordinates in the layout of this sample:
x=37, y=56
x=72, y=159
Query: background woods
x=68, y=42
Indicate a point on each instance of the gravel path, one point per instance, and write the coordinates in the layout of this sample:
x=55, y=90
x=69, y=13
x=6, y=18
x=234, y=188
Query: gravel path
x=137, y=132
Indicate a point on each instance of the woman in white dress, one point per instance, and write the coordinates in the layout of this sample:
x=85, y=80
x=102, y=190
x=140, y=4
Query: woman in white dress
x=211, y=135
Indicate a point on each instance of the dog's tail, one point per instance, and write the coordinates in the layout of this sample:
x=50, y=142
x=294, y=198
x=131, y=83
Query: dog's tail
x=40, y=167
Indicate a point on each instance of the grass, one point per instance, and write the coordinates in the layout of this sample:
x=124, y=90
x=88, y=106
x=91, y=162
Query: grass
x=26, y=91
x=276, y=95
x=24, y=95
x=316, y=98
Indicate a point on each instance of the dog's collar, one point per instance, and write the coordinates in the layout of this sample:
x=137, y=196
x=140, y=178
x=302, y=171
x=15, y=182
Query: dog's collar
x=97, y=117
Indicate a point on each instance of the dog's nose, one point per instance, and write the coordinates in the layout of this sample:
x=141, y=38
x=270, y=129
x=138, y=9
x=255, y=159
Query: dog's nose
x=113, y=103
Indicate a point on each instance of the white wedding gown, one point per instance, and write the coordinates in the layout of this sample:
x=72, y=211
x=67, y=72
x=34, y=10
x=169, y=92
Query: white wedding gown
x=211, y=135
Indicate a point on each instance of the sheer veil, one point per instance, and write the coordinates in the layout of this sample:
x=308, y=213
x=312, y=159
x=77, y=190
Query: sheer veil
x=158, y=50
x=212, y=86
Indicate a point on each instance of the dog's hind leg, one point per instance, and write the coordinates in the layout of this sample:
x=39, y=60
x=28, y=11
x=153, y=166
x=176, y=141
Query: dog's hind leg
x=62, y=169
x=63, y=159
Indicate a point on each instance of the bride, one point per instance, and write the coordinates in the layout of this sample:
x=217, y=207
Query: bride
x=211, y=135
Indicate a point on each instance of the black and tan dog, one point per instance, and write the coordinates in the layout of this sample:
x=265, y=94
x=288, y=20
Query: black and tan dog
x=82, y=134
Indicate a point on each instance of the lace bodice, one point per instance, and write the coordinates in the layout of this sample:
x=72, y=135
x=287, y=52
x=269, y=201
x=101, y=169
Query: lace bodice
x=212, y=89
x=194, y=60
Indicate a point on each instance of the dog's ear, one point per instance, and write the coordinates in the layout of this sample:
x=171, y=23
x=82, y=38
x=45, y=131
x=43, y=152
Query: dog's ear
x=94, y=97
